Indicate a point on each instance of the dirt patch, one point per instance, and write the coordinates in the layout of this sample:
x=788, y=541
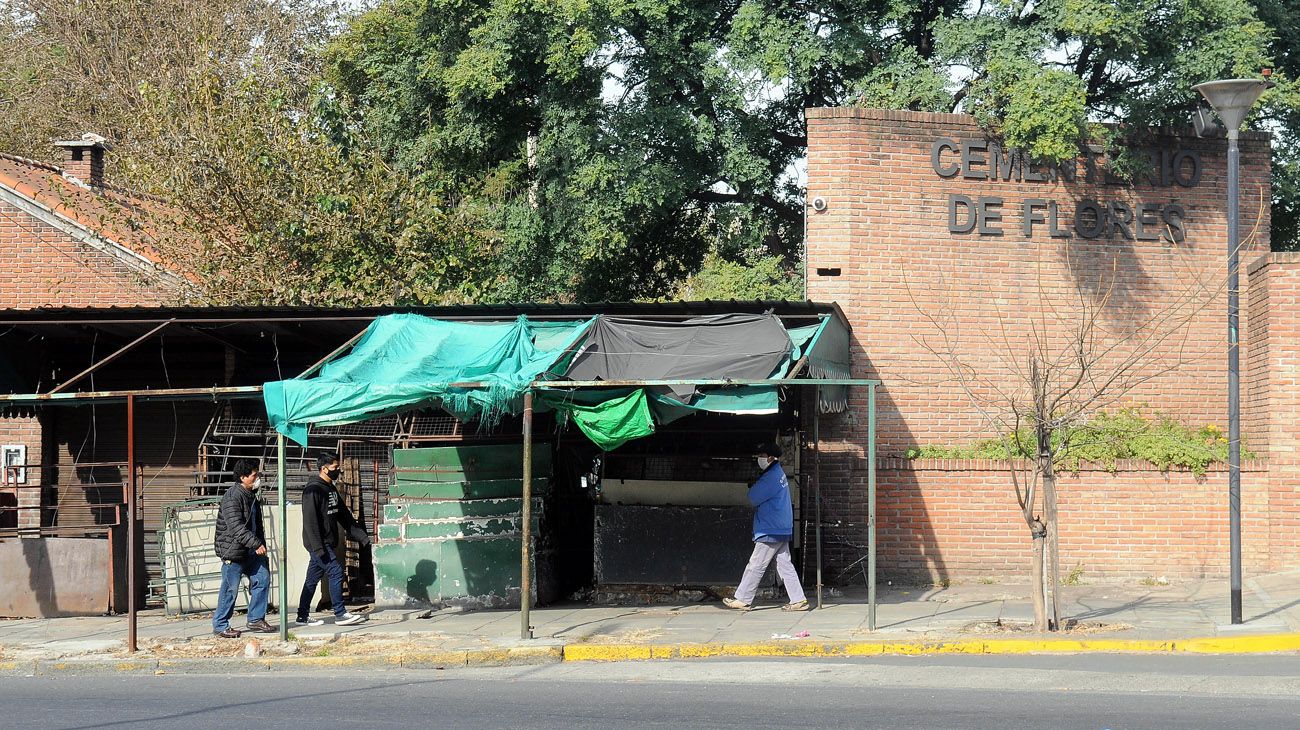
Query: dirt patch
x=213, y=648
x=374, y=645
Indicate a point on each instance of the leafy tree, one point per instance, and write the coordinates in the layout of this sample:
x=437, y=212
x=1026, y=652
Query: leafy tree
x=593, y=149
x=72, y=66
x=1282, y=113
x=613, y=145
x=760, y=277
x=272, y=190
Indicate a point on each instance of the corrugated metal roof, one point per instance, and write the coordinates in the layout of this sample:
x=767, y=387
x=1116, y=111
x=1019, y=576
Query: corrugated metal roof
x=123, y=315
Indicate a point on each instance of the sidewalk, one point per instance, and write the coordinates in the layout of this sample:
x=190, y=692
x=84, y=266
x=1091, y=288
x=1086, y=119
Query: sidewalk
x=971, y=618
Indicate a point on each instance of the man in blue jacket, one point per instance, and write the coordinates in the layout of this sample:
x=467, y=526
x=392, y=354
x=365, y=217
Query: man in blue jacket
x=773, y=529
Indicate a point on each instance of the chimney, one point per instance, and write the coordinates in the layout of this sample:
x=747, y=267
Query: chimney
x=84, y=158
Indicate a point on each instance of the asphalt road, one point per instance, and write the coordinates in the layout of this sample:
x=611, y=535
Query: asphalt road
x=1096, y=692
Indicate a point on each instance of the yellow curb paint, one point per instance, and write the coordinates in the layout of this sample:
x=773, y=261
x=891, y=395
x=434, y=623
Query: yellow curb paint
x=133, y=666
x=1217, y=645
x=1242, y=644
x=514, y=655
x=698, y=651
x=433, y=658
x=793, y=648
x=605, y=652
x=863, y=648
x=330, y=662
x=524, y=653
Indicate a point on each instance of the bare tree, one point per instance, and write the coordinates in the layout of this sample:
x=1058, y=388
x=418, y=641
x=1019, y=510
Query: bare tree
x=1088, y=342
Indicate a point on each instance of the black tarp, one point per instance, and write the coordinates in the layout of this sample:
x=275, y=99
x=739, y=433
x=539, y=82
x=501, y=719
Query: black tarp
x=740, y=346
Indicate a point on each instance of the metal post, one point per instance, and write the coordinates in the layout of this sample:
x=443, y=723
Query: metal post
x=817, y=485
x=131, y=607
x=526, y=547
x=1234, y=382
x=283, y=537
x=871, y=508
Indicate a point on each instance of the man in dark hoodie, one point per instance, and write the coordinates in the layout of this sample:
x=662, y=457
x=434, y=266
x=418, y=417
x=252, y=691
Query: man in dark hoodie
x=323, y=512
x=240, y=542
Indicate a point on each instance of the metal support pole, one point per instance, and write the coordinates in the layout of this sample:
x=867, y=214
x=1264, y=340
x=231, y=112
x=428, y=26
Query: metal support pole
x=526, y=547
x=871, y=508
x=1234, y=381
x=817, y=485
x=283, y=537
x=131, y=516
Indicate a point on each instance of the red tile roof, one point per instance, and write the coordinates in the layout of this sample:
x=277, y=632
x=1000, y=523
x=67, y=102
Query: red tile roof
x=128, y=220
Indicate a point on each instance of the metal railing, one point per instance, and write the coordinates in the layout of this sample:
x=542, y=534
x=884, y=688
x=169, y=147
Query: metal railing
x=107, y=506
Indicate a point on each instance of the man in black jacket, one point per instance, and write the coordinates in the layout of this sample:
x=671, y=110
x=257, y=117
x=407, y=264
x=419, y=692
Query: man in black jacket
x=240, y=542
x=323, y=512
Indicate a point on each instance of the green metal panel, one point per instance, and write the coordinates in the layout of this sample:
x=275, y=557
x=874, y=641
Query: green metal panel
x=468, y=463
x=455, y=509
x=460, y=528
x=452, y=530
x=485, y=571
x=490, y=489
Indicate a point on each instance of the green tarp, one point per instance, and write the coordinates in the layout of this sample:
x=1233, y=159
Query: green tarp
x=609, y=419
x=405, y=361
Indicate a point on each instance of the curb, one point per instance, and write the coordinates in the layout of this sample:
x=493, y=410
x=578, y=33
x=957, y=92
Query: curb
x=505, y=657
x=1271, y=643
x=539, y=655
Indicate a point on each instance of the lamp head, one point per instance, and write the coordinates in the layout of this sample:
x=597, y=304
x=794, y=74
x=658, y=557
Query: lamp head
x=1232, y=99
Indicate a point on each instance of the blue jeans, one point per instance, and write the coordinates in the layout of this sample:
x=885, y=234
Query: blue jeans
x=259, y=583
x=329, y=567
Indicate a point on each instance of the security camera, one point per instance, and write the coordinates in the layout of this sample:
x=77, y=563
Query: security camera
x=1204, y=123
x=819, y=204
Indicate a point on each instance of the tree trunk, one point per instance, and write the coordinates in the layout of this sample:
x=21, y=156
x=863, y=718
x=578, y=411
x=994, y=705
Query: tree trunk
x=1047, y=617
x=1039, y=599
x=1053, y=547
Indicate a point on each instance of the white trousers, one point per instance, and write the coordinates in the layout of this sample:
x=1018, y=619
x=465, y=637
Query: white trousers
x=763, y=554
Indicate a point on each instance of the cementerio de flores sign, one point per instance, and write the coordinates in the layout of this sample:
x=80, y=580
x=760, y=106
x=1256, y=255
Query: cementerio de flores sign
x=988, y=215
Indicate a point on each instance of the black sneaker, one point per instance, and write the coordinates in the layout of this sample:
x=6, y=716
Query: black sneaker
x=227, y=634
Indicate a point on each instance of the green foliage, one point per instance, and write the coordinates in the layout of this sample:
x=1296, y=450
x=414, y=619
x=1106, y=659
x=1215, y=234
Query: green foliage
x=1128, y=433
x=763, y=277
x=491, y=150
x=613, y=145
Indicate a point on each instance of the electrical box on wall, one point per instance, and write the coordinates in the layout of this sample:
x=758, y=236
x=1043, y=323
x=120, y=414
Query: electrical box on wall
x=14, y=459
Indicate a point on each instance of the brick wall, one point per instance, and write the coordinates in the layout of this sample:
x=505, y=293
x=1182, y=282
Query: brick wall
x=45, y=267
x=917, y=293
x=41, y=266
x=1272, y=399
x=24, y=429
x=952, y=520
x=909, y=286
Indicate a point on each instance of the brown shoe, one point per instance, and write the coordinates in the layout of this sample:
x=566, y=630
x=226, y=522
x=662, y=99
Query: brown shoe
x=261, y=627
x=227, y=634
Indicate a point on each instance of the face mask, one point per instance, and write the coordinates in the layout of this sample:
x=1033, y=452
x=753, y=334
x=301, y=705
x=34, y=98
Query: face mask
x=257, y=483
x=762, y=463
x=334, y=474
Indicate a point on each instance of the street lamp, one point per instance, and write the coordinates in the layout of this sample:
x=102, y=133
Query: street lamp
x=1232, y=100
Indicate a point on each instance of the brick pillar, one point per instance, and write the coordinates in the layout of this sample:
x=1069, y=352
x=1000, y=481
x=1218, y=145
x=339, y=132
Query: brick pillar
x=1275, y=363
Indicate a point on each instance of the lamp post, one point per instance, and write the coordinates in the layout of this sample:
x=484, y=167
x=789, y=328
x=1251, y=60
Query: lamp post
x=1232, y=100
